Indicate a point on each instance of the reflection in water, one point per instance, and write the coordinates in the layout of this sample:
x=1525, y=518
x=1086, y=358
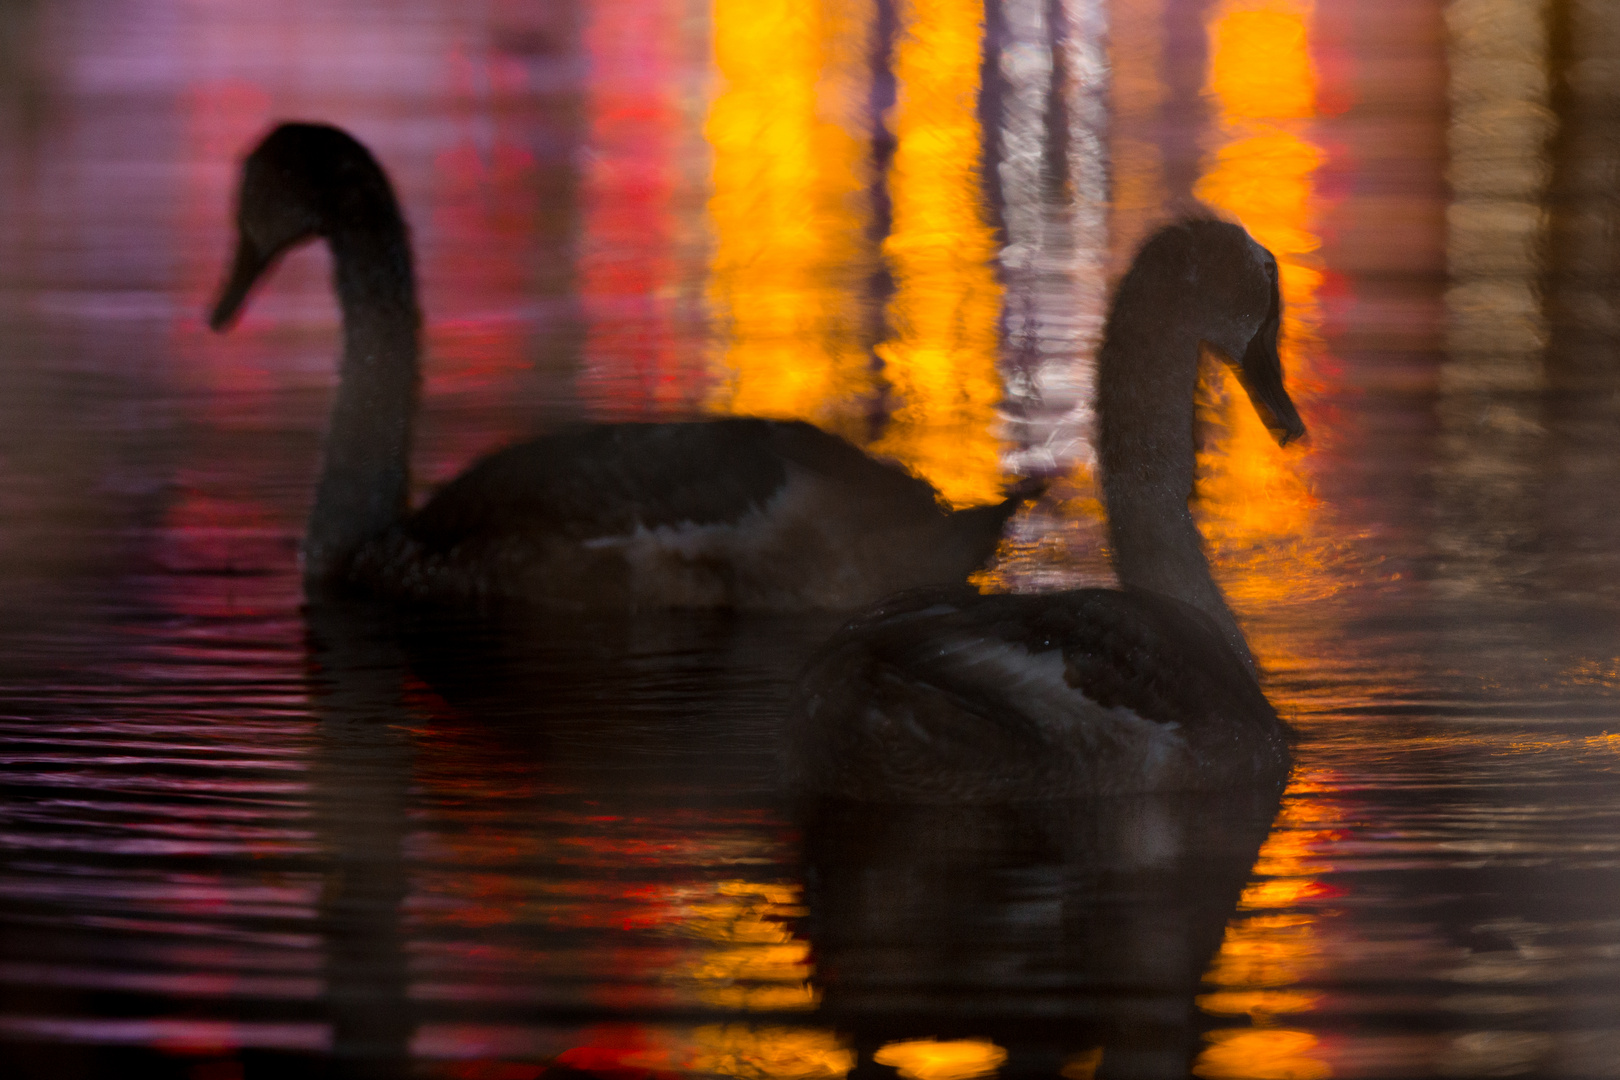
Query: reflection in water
x=792, y=256
x=1583, y=310
x=1496, y=225
x=635, y=259
x=1263, y=83
x=1050, y=185
x=589, y=845
x=360, y=780
x=944, y=316
x=1045, y=929
x=1253, y=496
x=487, y=186
x=931, y=1059
x=587, y=867
x=508, y=879
x=1268, y=949
x=1137, y=92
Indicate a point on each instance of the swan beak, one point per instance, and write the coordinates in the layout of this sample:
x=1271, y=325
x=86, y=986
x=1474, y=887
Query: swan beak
x=1261, y=375
x=245, y=270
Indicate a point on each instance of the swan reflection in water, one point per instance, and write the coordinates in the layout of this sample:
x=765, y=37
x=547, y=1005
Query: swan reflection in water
x=360, y=784
x=1054, y=930
x=1073, y=935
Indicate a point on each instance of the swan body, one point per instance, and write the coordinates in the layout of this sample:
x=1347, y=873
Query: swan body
x=945, y=695
x=734, y=512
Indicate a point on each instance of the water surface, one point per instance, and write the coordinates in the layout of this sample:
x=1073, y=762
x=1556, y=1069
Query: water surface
x=239, y=835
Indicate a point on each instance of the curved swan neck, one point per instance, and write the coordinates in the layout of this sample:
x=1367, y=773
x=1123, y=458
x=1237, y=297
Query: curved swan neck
x=1147, y=381
x=364, y=488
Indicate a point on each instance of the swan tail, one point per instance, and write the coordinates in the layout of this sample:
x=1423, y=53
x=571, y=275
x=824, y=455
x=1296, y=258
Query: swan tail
x=981, y=526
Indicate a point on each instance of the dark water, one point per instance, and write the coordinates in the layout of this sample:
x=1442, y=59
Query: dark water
x=241, y=837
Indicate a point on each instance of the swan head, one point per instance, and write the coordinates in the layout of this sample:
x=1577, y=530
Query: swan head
x=1242, y=318
x=301, y=182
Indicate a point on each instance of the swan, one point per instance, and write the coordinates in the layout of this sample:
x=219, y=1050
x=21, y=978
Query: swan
x=944, y=695
x=725, y=513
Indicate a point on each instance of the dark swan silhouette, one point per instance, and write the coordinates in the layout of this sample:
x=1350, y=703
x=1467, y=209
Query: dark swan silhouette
x=944, y=695
x=738, y=512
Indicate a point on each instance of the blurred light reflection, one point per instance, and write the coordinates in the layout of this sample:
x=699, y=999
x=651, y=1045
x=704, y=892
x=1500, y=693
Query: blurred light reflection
x=940, y=360
x=640, y=361
x=1050, y=183
x=1489, y=475
x=791, y=259
x=1263, y=83
x=738, y=1050
x=1271, y=945
x=929, y=1059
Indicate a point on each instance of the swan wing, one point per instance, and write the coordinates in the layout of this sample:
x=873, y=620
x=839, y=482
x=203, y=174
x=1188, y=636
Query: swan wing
x=946, y=695
x=612, y=479
x=609, y=479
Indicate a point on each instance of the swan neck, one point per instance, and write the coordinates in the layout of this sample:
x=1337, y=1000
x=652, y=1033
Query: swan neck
x=1147, y=382
x=364, y=489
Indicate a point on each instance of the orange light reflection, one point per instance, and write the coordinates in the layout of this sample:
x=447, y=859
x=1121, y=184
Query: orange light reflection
x=1263, y=82
x=738, y=1050
x=1268, y=948
x=941, y=359
x=1252, y=494
x=791, y=258
x=931, y=1059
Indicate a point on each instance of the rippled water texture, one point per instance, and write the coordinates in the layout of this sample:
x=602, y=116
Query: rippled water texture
x=239, y=837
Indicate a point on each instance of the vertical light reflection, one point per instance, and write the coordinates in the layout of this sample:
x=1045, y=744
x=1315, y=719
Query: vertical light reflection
x=1136, y=94
x=1263, y=82
x=220, y=118
x=483, y=220
x=792, y=257
x=632, y=276
x=1053, y=185
x=1487, y=479
x=1583, y=308
x=1270, y=946
x=205, y=529
x=940, y=361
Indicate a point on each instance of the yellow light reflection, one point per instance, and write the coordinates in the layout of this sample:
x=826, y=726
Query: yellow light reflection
x=768, y=1053
x=1266, y=1054
x=1269, y=949
x=791, y=258
x=739, y=1050
x=1263, y=82
x=752, y=961
x=928, y=1059
x=940, y=360
x=1260, y=62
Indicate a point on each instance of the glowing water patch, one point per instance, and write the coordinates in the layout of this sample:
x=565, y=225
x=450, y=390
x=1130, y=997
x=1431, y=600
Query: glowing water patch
x=940, y=361
x=929, y=1059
